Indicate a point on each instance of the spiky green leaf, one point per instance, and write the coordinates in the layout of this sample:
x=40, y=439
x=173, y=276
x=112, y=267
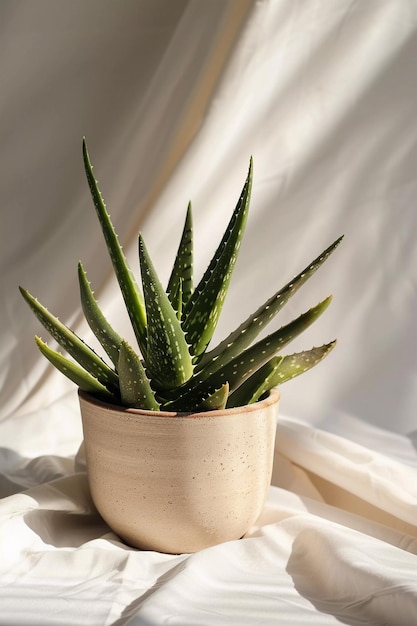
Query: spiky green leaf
x=176, y=300
x=67, y=339
x=76, y=374
x=135, y=388
x=107, y=336
x=129, y=288
x=203, y=309
x=277, y=371
x=182, y=271
x=243, y=336
x=215, y=401
x=168, y=357
x=249, y=361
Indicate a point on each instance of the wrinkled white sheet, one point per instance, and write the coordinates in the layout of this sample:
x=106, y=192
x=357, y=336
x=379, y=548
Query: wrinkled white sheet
x=173, y=98
x=337, y=542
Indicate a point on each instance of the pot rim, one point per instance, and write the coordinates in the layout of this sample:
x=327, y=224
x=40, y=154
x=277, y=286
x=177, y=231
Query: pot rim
x=272, y=398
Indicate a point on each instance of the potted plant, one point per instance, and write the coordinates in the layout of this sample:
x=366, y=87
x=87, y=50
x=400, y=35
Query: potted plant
x=179, y=435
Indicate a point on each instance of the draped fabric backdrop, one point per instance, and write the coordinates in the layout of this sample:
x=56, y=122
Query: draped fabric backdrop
x=173, y=98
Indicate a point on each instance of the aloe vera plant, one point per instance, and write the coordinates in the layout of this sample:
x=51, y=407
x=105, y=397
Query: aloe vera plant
x=175, y=367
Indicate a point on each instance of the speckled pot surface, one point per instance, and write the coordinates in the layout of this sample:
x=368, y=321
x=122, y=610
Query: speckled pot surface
x=178, y=482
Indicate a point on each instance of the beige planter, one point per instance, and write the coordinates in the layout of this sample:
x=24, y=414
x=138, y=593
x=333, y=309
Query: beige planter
x=178, y=482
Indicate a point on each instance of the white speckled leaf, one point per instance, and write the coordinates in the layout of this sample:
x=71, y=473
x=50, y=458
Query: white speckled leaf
x=167, y=357
x=71, y=370
x=107, y=336
x=181, y=278
x=67, y=339
x=135, y=388
x=216, y=400
x=243, y=336
x=248, y=362
x=277, y=371
x=203, y=309
x=130, y=291
x=176, y=299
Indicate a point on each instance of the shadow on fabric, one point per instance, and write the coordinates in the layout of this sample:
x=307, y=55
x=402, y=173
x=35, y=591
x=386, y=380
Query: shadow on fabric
x=64, y=515
x=341, y=579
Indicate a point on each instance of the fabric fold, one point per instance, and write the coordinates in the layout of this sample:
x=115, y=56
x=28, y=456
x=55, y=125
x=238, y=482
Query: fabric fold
x=347, y=468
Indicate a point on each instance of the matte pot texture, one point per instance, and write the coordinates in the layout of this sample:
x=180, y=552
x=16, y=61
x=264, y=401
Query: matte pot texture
x=179, y=482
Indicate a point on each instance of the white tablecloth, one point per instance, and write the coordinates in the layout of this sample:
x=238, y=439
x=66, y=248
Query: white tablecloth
x=173, y=98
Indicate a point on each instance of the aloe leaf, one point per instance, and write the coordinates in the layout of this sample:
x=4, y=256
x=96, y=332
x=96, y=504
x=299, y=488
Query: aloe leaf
x=242, y=366
x=245, y=334
x=203, y=309
x=176, y=299
x=249, y=361
x=182, y=271
x=135, y=388
x=129, y=288
x=76, y=374
x=275, y=341
x=256, y=385
x=167, y=357
x=277, y=371
x=208, y=401
x=215, y=401
x=107, y=336
x=68, y=340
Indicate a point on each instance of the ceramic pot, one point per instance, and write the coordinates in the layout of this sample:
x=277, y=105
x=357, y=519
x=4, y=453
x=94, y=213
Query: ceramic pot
x=179, y=482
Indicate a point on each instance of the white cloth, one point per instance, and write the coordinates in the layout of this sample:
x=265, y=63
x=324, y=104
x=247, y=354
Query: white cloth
x=173, y=98
x=337, y=541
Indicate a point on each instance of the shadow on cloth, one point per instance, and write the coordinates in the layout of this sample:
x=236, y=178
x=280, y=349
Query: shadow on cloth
x=18, y=473
x=10, y=482
x=65, y=515
x=131, y=611
x=341, y=578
